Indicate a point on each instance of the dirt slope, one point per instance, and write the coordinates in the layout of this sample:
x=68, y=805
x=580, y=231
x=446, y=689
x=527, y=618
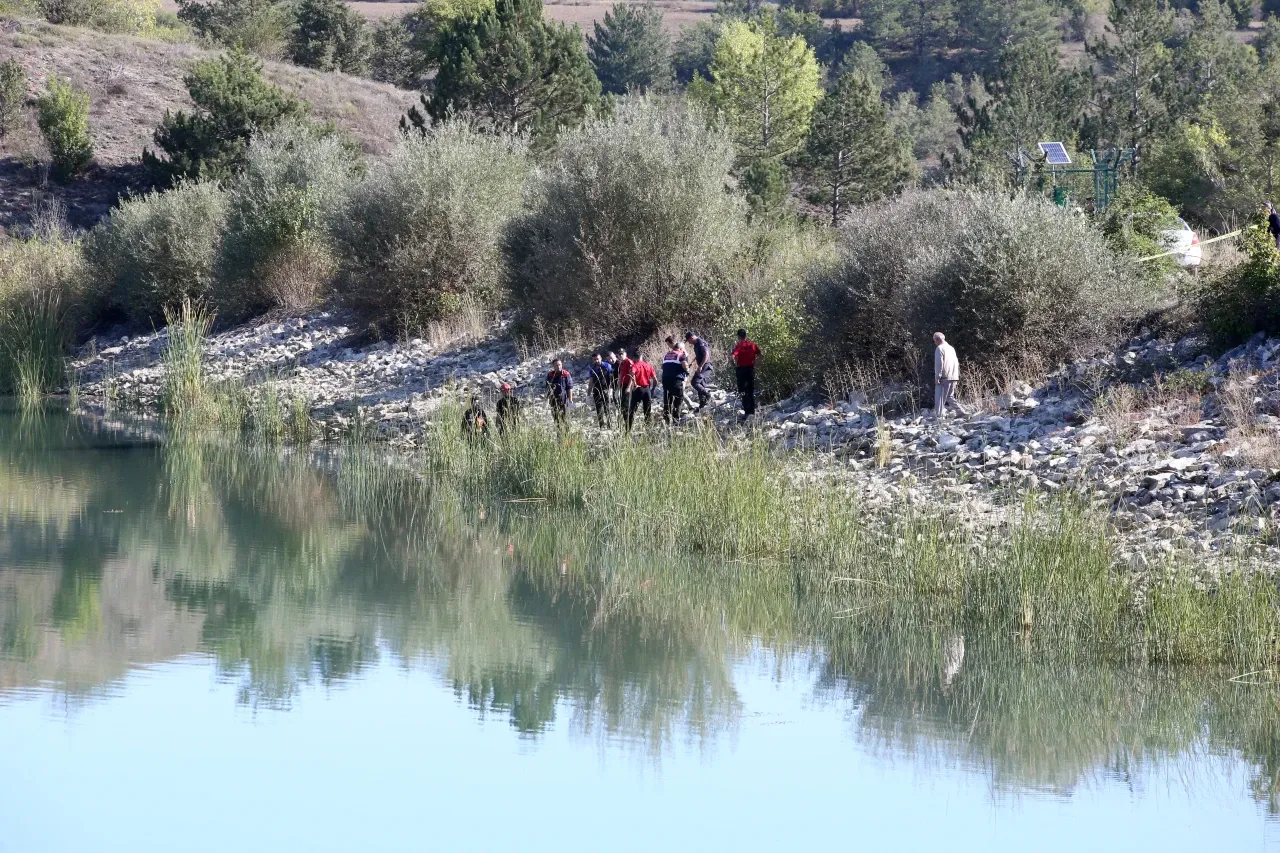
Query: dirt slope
x=131, y=83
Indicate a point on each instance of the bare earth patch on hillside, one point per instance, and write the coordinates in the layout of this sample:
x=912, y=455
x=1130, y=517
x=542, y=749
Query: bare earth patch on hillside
x=131, y=82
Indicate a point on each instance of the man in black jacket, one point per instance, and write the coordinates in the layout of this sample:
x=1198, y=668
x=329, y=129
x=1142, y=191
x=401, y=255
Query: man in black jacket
x=701, y=368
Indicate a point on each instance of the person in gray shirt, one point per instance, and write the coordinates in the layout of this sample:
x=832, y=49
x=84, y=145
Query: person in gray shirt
x=946, y=373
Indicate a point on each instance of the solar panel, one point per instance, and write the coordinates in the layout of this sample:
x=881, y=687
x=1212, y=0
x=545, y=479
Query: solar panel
x=1055, y=153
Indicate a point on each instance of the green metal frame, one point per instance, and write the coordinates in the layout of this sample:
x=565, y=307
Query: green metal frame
x=1093, y=187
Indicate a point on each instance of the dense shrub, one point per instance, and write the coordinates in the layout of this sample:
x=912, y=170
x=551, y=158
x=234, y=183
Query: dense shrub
x=1245, y=298
x=1010, y=282
x=276, y=250
x=422, y=234
x=13, y=94
x=630, y=225
x=258, y=26
x=64, y=121
x=1134, y=224
x=331, y=36
x=778, y=324
x=42, y=297
x=233, y=101
x=137, y=17
x=159, y=249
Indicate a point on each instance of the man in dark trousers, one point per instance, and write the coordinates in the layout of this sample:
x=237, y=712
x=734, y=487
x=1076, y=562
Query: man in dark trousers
x=559, y=392
x=508, y=409
x=1273, y=223
x=623, y=380
x=701, y=368
x=639, y=388
x=745, y=356
x=599, y=382
x=675, y=370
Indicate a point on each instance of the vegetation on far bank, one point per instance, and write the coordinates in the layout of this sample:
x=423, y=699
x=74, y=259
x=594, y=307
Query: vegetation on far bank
x=595, y=186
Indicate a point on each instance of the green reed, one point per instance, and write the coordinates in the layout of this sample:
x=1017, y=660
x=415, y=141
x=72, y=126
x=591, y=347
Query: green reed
x=1048, y=574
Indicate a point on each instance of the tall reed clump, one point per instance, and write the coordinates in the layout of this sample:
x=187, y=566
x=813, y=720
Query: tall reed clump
x=42, y=294
x=1049, y=575
x=187, y=397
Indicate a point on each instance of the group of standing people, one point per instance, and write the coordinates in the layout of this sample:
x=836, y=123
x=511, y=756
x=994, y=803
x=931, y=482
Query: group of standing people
x=632, y=384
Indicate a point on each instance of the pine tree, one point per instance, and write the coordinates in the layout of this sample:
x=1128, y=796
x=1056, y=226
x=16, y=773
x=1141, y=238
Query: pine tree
x=763, y=86
x=330, y=36
x=233, y=100
x=1031, y=99
x=511, y=71
x=852, y=155
x=630, y=50
x=1133, y=97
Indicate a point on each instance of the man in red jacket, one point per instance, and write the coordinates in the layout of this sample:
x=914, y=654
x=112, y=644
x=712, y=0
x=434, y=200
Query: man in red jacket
x=745, y=356
x=642, y=378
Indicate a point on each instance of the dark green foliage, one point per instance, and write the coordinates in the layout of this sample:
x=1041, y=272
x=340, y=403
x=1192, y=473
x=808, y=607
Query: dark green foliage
x=510, y=71
x=694, y=50
x=1032, y=99
x=330, y=36
x=13, y=93
x=1132, y=100
x=1245, y=299
x=64, y=121
x=391, y=56
x=765, y=182
x=852, y=155
x=233, y=101
x=1134, y=224
x=258, y=26
x=630, y=51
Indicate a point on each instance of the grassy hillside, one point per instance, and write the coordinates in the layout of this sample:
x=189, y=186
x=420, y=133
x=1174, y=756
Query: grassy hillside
x=131, y=83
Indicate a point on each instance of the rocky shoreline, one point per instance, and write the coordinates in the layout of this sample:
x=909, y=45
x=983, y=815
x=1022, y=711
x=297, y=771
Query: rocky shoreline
x=1177, y=446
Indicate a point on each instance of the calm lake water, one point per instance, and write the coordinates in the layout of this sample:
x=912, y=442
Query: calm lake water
x=212, y=648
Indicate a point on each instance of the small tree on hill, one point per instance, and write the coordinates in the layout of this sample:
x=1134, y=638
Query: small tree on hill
x=64, y=121
x=763, y=86
x=630, y=51
x=852, y=155
x=258, y=26
x=330, y=36
x=233, y=101
x=511, y=71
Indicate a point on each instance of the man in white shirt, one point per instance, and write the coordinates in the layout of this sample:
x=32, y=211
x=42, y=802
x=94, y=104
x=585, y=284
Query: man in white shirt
x=946, y=373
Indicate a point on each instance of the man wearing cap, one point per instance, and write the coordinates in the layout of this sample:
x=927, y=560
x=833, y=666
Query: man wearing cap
x=701, y=368
x=508, y=409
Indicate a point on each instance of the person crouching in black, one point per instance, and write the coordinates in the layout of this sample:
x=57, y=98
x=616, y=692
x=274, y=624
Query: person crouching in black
x=475, y=423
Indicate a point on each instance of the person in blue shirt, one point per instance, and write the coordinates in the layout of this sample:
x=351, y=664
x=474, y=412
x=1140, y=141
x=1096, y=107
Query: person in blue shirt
x=675, y=370
x=599, y=383
x=701, y=368
x=559, y=392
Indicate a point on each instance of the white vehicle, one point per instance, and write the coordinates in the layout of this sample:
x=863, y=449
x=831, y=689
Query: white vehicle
x=1184, y=243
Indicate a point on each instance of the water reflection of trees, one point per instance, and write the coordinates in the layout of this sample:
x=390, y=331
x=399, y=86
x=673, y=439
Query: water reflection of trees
x=295, y=571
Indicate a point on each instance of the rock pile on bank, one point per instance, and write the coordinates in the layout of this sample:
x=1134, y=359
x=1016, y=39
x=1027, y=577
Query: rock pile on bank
x=1182, y=448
